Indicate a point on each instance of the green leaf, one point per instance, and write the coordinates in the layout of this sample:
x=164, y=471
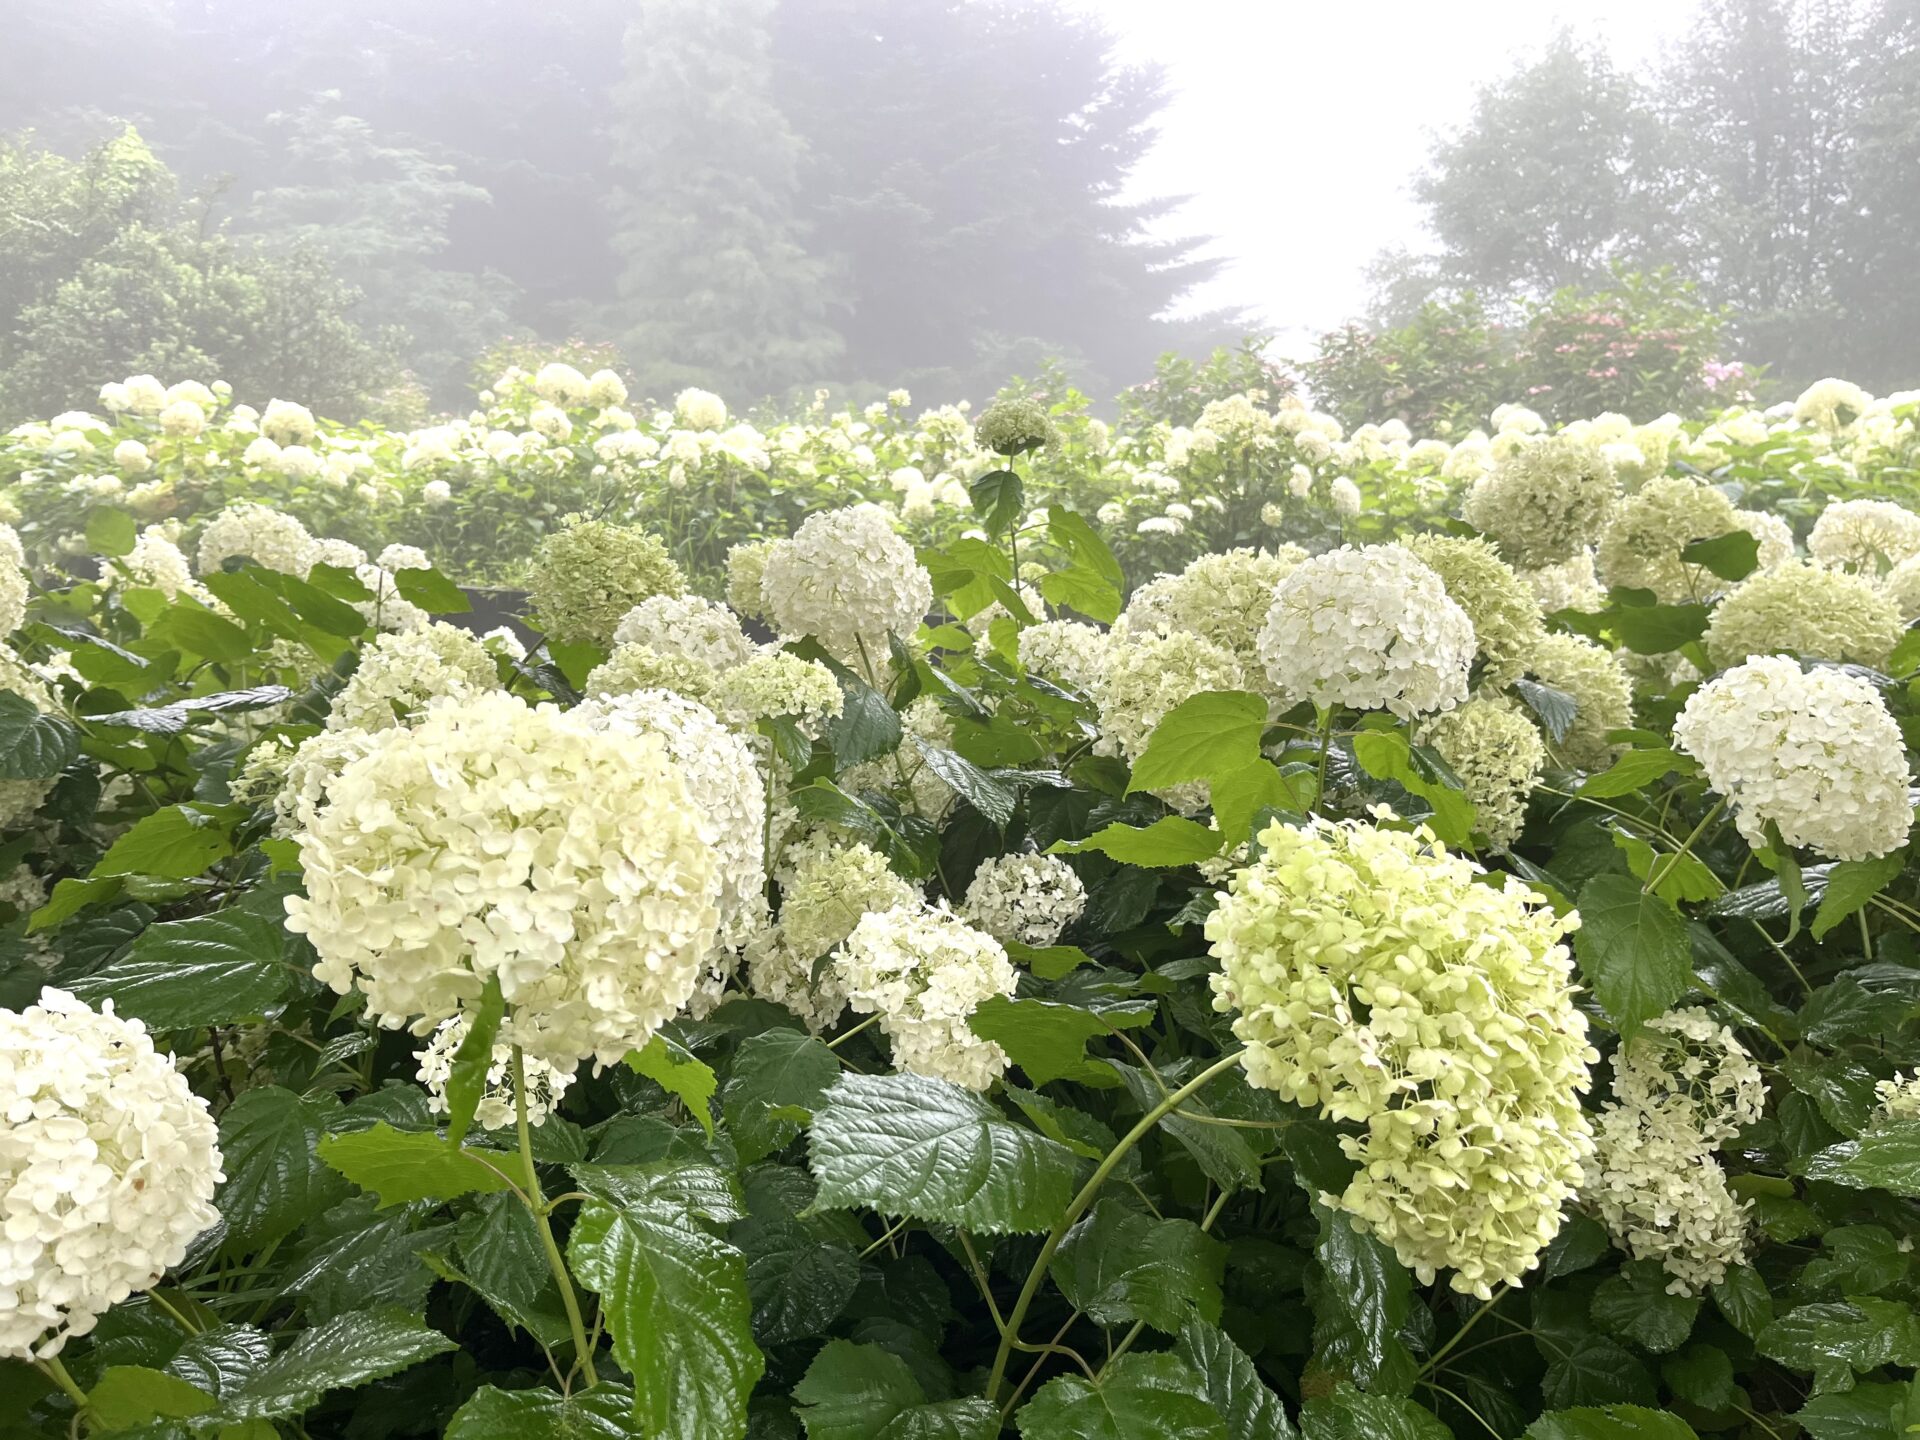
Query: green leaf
x=542, y=1414
x=676, y=1303
x=1119, y=1266
x=503, y=1258
x=674, y=1069
x=1049, y=962
x=778, y=1078
x=998, y=499
x=1743, y=1298
x=1347, y=1414
x=1372, y=1289
x=130, y=1395
x=176, y=843
x=866, y=1392
x=1886, y=1157
x=1386, y=755
x=33, y=746
x=1865, y=1412
x=213, y=969
x=276, y=1181
x=1851, y=884
x=1048, y=1039
x=1245, y=799
x=1167, y=842
x=1233, y=1384
x=111, y=531
x=1204, y=737
x=1643, y=629
x=1554, y=708
x=1221, y=1152
x=431, y=591
x=187, y=627
x=1610, y=1422
x=1635, y=1305
x=867, y=726
x=467, y=1081
x=908, y=1145
x=799, y=1284
x=1634, y=770
x=69, y=898
x=406, y=1165
x=1073, y=534
x=1632, y=948
x=1678, y=875
x=1700, y=1375
x=986, y=790
x=1137, y=1397
x=1834, y=1340
x=346, y=1352
x=1731, y=556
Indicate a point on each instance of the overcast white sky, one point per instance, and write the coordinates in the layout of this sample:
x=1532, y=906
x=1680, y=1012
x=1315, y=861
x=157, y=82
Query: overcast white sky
x=1296, y=124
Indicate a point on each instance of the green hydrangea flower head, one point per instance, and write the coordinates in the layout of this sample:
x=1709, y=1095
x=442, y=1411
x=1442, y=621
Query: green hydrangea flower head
x=1602, y=695
x=1016, y=425
x=1506, y=617
x=587, y=575
x=1545, y=502
x=1807, y=610
x=1642, y=547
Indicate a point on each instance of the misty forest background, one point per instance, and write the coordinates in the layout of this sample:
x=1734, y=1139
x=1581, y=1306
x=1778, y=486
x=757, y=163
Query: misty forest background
x=367, y=205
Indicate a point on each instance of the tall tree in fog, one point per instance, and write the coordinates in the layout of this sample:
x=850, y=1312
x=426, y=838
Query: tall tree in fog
x=717, y=283
x=1878, y=287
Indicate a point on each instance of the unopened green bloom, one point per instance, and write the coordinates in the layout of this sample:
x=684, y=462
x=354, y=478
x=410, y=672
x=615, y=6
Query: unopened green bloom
x=1015, y=425
x=587, y=576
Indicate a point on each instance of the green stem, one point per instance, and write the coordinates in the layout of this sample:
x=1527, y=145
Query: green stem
x=1656, y=872
x=1320, y=770
x=1078, y=1207
x=56, y=1372
x=536, y=1203
x=1432, y=1365
x=839, y=1040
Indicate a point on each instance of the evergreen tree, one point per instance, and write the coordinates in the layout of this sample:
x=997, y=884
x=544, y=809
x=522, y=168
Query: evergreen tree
x=717, y=283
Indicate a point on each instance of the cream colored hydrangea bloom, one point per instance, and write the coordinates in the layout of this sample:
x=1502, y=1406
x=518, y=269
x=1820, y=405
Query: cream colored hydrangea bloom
x=1507, y=627
x=545, y=1085
x=1546, y=502
x=402, y=671
x=1641, y=549
x=849, y=581
x=1602, y=695
x=1024, y=899
x=1804, y=609
x=1498, y=754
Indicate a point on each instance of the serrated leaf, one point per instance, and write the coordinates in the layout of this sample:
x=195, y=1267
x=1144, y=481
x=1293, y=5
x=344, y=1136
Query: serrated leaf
x=213, y=969
x=987, y=791
x=1865, y=1412
x=866, y=727
x=1701, y=1375
x=1835, y=1340
x=276, y=1181
x=467, y=1079
x=1232, y=1383
x=220, y=1360
x=171, y=719
x=1635, y=1304
x=196, y=631
x=1610, y=1422
x=111, y=531
x=1731, y=556
x=1348, y=1414
x=346, y=1352
x=1632, y=948
x=1743, y=1298
x=865, y=1392
x=1371, y=1287
x=1204, y=737
x=502, y=1257
x=1048, y=1038
x=998, y=498
x=1635, y=770
x=431, y=591
x=405, y=1165
x=675, y=1069
x=1554, y=708
x=928, y=1150
x=176, y=843
x=774, y=1073
x=1137, y=1397
x=1886, y=1157
x=676, y=1303
x=1850, y=885
x=1169, y=841
x=1386, y=755
x=33, y=746
x=541, y=1414
x=1118, y=1266
x=128, y=1395
x=1221, y=1152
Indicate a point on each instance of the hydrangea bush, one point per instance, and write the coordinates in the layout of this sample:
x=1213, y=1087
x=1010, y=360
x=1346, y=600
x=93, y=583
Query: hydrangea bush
x=1220, y=927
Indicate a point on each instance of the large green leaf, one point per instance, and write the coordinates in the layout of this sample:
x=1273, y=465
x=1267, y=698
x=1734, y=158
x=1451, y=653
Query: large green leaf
x=543, y=1414
x=33, y=746
x=1233, y=1384
x=675, y=1069
x=347, y=1351
x=1610, y=1422
x=502, y=1257
x=1851, y=884
x=1386, y=755
x=1886, y=1157
x=431, y=591
x=406, y=1165
x=269, y=1141
x=1371, y=1288
x=1865, y=1412
x=865, y=1392
x=176, y=843
x=1168, y=841
x=128, y=1395
x=1349, y=1414
x=1632, y=948
x=1048, y=1038
x=1731, y=556
x=1836, y=1339
x=1202, y=738
x=1633, y=771
x=675, y=1298
x=1137, y=1397
x=197, y=631
x=866, y=727
x=1119, y=1265
x=778, y=1077
x=213, y=969
x=1635, y=1304
x=467, y=1079
x=908, y=1145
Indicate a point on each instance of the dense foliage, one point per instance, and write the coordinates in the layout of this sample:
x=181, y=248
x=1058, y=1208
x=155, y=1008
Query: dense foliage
x=1447, y=972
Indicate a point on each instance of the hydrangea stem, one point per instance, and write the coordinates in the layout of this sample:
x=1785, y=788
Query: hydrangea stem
x=1009, y=1337
x=56, y=1372
x=536, y=1202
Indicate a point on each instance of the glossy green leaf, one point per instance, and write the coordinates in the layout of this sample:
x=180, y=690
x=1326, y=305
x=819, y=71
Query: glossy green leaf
x=1633, y=950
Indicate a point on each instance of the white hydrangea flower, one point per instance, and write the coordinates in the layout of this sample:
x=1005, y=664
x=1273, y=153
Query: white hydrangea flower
x=265, y=536
x=776, y=683
x=1147, y=677
x=1831, y=404
x=1381, y=980
x=1814, y=752
x=401, y=672
x=14, y=590
x=924, y=971
x=700, y=409
x=1066, y=652
x=436, y=493
x=689, y=626
x=131, y=456
x=826, y=886
x=1345, y=497
x=849, y=581
x=286, y=423
x=1568, y=585
x=1865, y=535
x=560, y=384
x=1899, y=1097
x=606, y=389
x=1774, y=535
x=1498, y=754
x=183, y=420
x=1371, y=628
x=1024, y=899
x=108, y=1165
x=545, y=1085
x=403, y=557
x=156, y=563
x=500, y=840
x=1223, y=598
x=1545, y=502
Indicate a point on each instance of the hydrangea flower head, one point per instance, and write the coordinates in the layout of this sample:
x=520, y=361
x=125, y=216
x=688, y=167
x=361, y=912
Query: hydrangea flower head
x=849, y=581
x=585, y=577
x=1498, y=754
x=1545, y=502
x=1641, y=549
x=1014, y=426
x=1024, y=899
x=1804, y=609
x=1507, y=627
